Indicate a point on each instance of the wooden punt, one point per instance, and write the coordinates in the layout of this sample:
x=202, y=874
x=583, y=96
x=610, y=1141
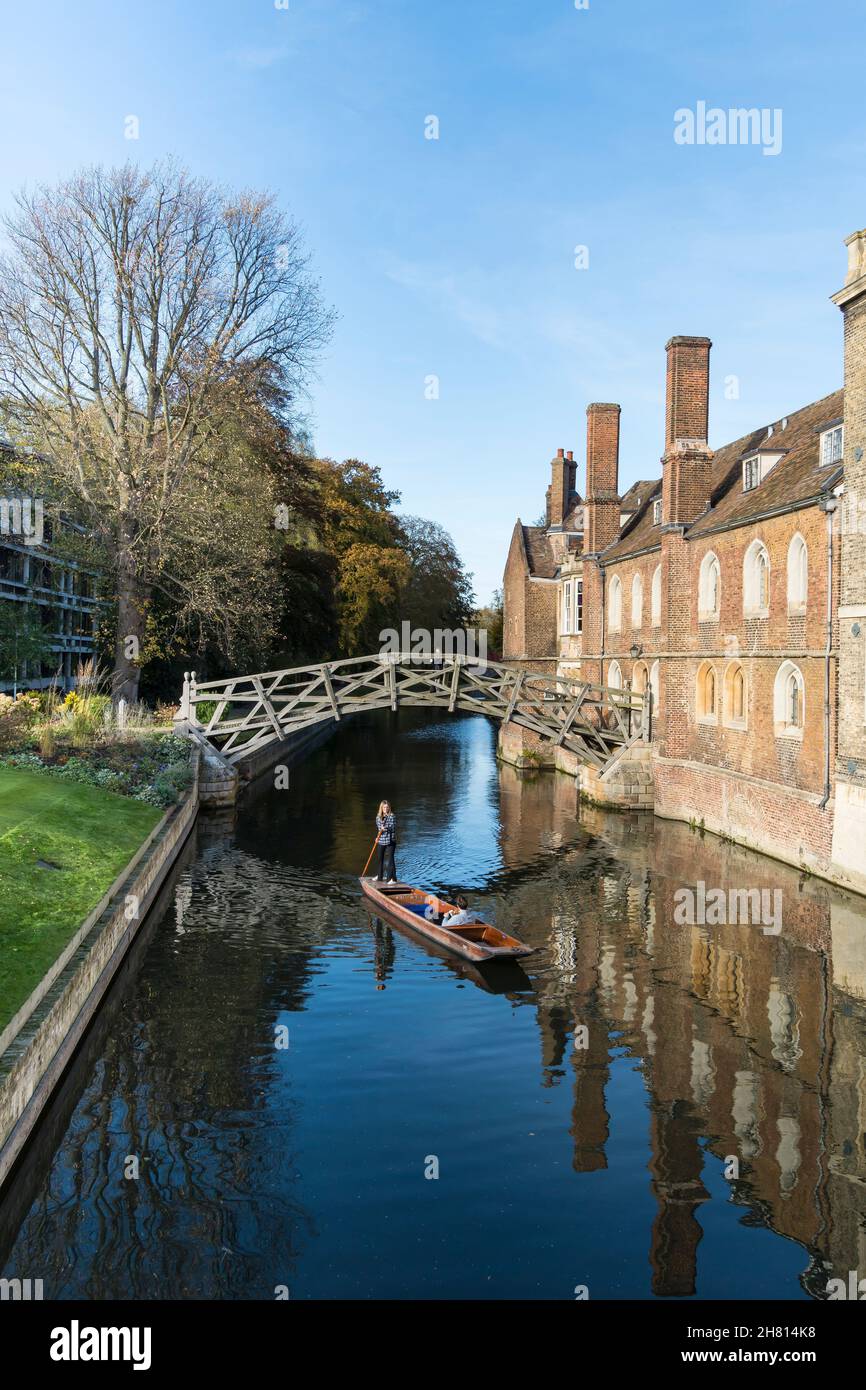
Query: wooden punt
x=476, y=941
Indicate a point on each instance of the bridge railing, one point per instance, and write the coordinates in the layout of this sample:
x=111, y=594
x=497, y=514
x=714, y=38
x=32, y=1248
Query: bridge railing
x=239, y=714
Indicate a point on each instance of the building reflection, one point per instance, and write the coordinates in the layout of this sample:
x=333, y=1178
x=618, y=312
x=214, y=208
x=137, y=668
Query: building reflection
x=752, y=1045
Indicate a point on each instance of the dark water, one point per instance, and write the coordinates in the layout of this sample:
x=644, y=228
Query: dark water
x=559, y=1165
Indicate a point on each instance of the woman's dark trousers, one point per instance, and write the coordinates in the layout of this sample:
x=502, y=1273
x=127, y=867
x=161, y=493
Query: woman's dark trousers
x=387, y=867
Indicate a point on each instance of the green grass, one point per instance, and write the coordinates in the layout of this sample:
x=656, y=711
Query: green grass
x=91, y=834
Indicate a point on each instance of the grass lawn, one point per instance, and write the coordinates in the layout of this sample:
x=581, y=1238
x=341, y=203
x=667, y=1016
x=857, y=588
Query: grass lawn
x=90, y=834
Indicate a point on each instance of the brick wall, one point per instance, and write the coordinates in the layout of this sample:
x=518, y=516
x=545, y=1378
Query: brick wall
x=852, y=675
x=602, y=475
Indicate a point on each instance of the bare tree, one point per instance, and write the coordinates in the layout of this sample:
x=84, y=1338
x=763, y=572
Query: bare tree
x=129, y=299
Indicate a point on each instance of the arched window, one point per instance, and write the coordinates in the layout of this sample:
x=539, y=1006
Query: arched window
x=656, y=597
x=789, y=699
x=798, y=575
x=735, y=707
x=614, y=676
x=756, y=579
x=637, y=601
x=614, y=604
x=654, y=686
x=706, y=693
x=640, y=677
x=709, y=588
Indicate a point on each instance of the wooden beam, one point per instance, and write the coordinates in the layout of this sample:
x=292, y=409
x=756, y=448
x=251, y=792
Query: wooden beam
x=515, y=695
x=330, y=689
x=455, y=681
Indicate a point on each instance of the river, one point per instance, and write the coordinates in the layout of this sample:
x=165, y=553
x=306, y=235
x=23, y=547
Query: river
x=285, y=1097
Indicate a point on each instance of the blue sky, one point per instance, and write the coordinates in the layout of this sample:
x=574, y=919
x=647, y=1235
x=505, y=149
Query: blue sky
x=455, y=257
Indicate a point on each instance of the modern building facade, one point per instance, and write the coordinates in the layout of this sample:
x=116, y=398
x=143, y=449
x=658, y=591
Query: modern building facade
x=57, y=592
x=734, y=588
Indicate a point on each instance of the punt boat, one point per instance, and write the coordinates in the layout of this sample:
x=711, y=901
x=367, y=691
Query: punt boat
x=423, y=912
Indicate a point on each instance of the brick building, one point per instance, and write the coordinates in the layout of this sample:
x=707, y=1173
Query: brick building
x=734, y=587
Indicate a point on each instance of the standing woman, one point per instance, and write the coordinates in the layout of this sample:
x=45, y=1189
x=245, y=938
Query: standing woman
x=386, y=824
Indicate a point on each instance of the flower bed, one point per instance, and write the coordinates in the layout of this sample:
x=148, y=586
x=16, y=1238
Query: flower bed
x=153, y=767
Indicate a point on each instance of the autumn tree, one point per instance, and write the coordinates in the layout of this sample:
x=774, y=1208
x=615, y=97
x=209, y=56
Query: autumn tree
x=359, y=529
x=490, y=619
x=438, y=593
x=138, y=312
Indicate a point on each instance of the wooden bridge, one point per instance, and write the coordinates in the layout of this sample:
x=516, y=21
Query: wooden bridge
x=241, y=715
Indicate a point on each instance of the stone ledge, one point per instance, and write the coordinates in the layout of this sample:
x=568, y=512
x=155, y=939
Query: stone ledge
x=35, y=1056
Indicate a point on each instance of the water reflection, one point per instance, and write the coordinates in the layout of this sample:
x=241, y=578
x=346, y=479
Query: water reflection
x=652, y=1109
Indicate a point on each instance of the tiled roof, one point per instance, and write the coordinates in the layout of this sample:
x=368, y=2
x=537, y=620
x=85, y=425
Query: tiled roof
x=793, y=481
x=639, y=533
x=539, y=552
x=637, y=495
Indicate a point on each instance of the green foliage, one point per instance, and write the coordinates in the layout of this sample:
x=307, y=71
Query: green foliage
x=438, y=592
x=15, y=721
x=85, y=836
x=489, y=619
x=372, y=582
x=22, y=638
x=153, y=769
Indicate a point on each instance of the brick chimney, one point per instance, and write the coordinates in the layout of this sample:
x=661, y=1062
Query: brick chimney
x=686, y=485
x=561, y=487
x=602, y=475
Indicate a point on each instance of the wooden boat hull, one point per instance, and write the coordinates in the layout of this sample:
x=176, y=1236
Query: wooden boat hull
x=476, y=942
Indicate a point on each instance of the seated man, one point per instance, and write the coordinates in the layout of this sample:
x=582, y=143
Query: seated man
x=462, y=917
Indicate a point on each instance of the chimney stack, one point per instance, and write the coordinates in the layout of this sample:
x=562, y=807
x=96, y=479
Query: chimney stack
x=688, y=390
x=561, y=480
x=602, y=475
x=686, y=485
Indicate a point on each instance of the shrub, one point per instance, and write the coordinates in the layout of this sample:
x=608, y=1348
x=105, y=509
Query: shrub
x=45, y=736
x=30, y=705
x=15, y=720
x=205, y=710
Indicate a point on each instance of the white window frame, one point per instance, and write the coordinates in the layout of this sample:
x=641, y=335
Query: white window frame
x=752, y=606
x=708, y=612
x=706, y=716
x=751, y=472
x=787, y=672
x=731, y=719
x=655, y=687
x=614, y=602
x=829, y=452
x=656, y=598
x=657, y=511
x=798, y=574
x=636, y=603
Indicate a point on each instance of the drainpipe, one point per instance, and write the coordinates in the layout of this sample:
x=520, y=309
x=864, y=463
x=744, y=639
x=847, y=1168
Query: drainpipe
x=828, y=505
x=601, y=647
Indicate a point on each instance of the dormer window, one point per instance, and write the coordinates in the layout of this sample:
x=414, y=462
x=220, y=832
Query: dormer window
x=751, y=473
x=832, y=444
x=657, y=511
